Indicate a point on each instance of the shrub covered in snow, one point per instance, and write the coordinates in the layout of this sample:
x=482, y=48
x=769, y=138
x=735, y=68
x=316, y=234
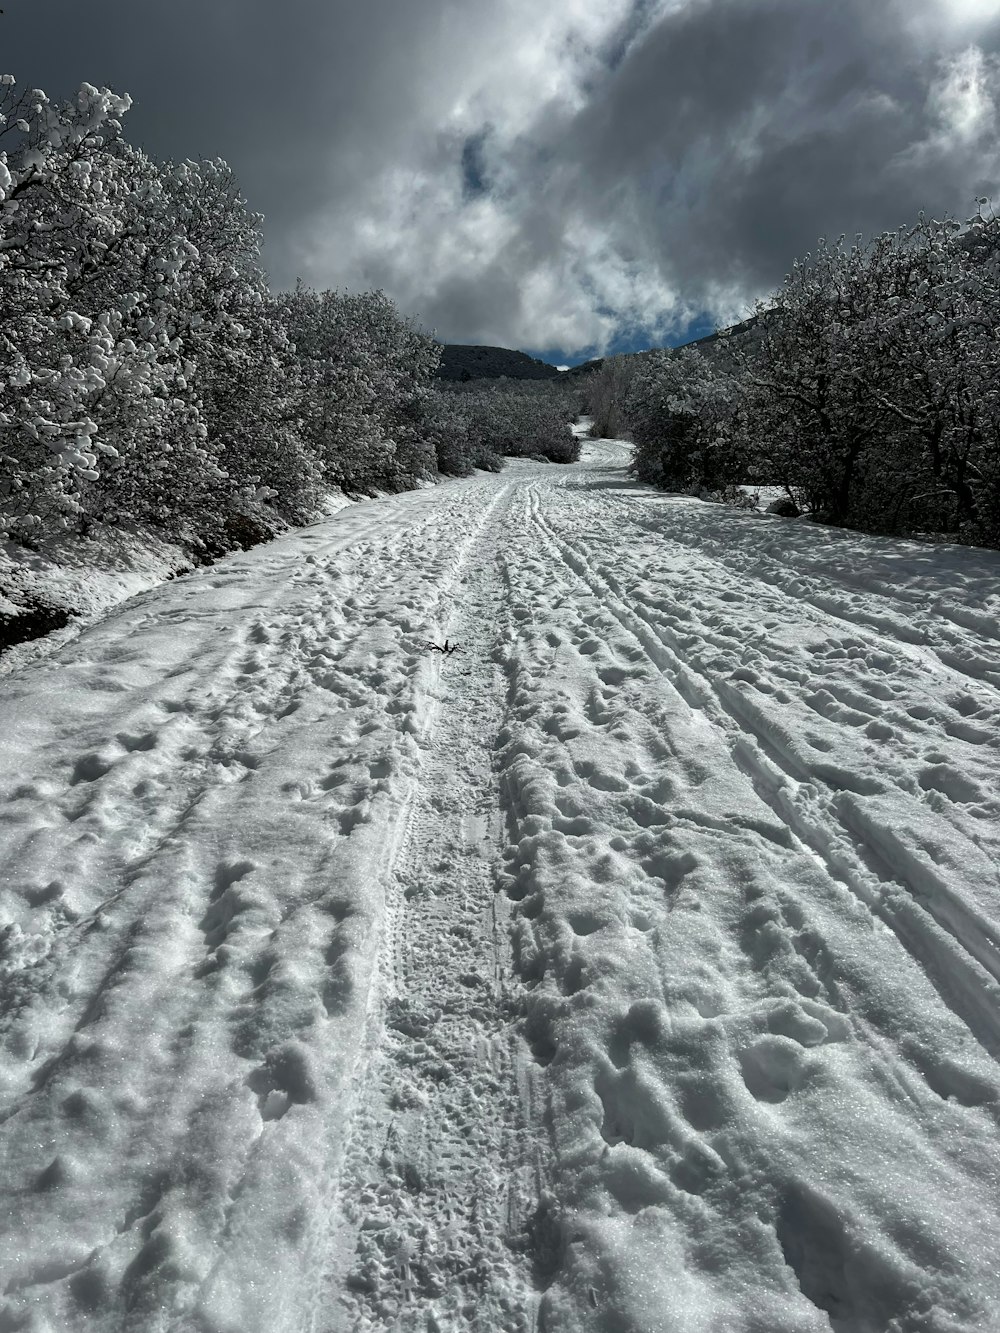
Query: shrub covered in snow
x=869, y=389
x=362, y=370
x=143, y=373
x=149, y=375
x=446, y=421
x=605, y=396
x=521, y=418
x=873, y=390
x=679, y=411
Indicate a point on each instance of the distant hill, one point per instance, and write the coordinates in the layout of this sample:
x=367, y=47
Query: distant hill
x=468, y=361
x=464, y=361
x=714, y=345
x=584, y=368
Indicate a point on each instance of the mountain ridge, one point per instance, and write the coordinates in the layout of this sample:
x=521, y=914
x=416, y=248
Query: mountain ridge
x=472, y=361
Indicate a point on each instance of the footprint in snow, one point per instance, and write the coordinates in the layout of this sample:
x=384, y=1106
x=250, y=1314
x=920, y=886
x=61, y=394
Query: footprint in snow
x=774, y=1067
x=285, y=1079
x=943, y=778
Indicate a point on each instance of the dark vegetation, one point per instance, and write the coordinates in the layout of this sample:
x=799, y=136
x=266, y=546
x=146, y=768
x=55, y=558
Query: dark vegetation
x=34, y=618
x=516, y=418
x=463, y=362
x=868, y=388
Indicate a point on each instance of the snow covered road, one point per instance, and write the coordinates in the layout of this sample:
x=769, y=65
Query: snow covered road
x=635, y=967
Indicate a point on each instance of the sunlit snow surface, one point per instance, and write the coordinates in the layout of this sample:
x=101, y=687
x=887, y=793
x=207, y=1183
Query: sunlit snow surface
x=633, y=967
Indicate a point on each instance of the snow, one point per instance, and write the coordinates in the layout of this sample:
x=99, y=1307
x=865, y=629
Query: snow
x=83, y=578
x=635, y=966
x=87, y=577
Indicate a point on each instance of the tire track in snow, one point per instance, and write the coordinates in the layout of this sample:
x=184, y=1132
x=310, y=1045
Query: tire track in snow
x=933, y=949
x=654, y=1142
x=738, y=949
x=955, y=948
x=656, y=967
x=914, y=645
x=891, y=854
x=440, y=1197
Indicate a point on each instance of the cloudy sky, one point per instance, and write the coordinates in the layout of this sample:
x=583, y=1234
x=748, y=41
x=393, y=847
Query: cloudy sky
x=566, y=177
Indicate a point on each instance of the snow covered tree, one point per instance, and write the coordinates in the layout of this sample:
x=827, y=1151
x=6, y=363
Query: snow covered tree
x=678, y=412
x=62, y=219
x=521, y=418
x=871, y=385
x=807, y=405
x=241, y=366
x=447, y=424
x=605, y=395
x=938, y=346
x=363, y=366
x=99, y=286
x=147, y=375
x=188, y=277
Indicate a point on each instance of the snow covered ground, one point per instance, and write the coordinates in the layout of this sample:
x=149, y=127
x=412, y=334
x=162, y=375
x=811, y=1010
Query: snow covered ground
x=85, y=578
x=635, y=966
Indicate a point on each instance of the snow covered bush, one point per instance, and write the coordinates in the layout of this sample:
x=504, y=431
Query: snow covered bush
x=64, y=199
x=868, y=387
x=241, y=368
x=804, y=401
x=540, y=416
x=872, y=388
x=250, y=407
x=447, y=424
x=521, y=418
x=147, y=372
x=605, y=395
x=938, y=349
x=678, y=412
x=227, y=447
x=137, y=356
x=363, y=368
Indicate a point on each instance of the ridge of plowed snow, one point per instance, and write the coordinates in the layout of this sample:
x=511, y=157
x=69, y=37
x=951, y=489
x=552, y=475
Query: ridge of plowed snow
x=634, y=967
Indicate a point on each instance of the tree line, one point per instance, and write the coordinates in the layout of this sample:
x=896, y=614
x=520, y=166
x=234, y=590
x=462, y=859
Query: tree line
x=149, y=375
x=868, y=387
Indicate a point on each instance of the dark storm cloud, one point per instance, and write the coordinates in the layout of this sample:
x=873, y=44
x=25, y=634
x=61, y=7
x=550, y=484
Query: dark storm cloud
x=297, y=96
x=734, y=134
x=550, y=175
x=474, y=177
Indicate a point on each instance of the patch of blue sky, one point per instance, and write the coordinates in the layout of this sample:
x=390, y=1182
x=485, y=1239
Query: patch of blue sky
x=628, y=340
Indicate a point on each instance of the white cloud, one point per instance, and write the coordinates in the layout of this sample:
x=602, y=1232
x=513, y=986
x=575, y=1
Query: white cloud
x=399, y=219
x=963, y=99
x=638, y=167
x=629, y=164
x=961, y=123
x=968, y=13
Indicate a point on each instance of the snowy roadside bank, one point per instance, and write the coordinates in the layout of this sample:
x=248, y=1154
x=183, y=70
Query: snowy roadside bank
x=48, y=596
